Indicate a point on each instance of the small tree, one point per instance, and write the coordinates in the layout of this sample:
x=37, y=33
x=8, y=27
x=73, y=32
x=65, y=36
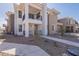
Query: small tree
x=62, y=31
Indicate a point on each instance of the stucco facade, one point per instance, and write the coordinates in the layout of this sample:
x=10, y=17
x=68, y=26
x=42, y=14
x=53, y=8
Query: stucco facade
x=52, y=21
x=59, y=26
x=69, y=23
x=10, y=22
x=33, y=19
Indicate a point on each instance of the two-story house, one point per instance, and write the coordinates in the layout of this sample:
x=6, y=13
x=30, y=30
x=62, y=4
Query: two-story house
x=34, y=18
x=10, y=22
x=69, y=23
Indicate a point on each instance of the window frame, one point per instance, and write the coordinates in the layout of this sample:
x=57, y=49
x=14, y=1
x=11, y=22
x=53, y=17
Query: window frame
x=20, y=14
x=20, y=28
x=31, y=15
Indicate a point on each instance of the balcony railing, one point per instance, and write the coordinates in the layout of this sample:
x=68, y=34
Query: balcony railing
x=33, y=16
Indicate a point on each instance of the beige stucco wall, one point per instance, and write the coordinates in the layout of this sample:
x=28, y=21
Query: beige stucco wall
x=68, y=21
x=32, y=28
x=35, y=9
x=59, y=26
x=10, y=23
x=52, y=21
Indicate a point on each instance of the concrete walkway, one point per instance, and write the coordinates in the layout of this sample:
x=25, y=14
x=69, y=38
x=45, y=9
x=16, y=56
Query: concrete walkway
x=62, y=41
x=21, y=49
x=72, y=34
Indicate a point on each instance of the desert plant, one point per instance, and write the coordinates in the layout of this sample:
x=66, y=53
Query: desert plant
x=62, y=31
x=55, y=44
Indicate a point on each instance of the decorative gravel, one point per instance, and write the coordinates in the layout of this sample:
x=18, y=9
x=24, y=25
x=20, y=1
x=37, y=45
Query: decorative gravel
x=51, y=47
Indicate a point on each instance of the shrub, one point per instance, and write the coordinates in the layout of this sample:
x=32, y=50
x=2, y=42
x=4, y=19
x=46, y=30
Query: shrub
x=62, y=31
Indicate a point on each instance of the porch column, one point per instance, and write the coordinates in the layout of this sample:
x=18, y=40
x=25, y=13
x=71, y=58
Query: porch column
x=26, y=11
x=26, y=18
x=26, y=30
x=15, y=19
x=44, y=20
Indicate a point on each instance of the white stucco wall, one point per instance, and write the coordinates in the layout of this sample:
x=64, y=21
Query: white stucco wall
x=19, y=21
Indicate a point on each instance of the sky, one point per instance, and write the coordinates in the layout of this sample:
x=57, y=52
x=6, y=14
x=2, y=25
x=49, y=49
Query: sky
x=65, y=9
x=3, y=9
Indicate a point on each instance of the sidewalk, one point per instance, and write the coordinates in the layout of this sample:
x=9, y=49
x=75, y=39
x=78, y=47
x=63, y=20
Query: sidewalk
x=62, y=41
x=73, y=34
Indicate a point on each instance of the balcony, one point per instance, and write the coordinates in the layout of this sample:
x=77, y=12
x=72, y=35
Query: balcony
x=33, y=18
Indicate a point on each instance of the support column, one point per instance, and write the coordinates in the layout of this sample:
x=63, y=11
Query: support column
x=26, y=30
x=26, y=11
x=26, y=18
x=15, y=19
x=44, y=20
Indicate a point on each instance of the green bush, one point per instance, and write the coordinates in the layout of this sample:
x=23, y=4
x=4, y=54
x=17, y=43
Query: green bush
x=62, y=31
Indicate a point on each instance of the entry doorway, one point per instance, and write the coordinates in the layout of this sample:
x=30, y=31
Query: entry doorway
x=35, y=29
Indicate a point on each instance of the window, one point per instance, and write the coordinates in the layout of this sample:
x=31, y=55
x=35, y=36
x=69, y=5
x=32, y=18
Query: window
x=38, y=15
x=58, y=21
x=76, y=22
x=19, y=14
x=20, y=28
x=52, y=27
x=31, y=16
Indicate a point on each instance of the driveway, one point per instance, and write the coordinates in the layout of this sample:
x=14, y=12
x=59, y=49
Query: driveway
x=21, y=49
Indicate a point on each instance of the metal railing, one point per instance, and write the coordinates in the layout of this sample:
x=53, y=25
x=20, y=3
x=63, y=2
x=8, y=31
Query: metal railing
x=31, y=16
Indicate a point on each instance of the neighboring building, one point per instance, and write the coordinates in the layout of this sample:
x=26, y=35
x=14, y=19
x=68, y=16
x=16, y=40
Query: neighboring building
x=77, y=28
x=2, y=29
x=34, y=18
x=10, y=23
x=59, y=26
x=52, y=21
x=69, y=23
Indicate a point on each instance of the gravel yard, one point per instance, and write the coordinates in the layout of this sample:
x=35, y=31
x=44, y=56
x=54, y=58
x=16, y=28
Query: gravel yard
x=51, y=47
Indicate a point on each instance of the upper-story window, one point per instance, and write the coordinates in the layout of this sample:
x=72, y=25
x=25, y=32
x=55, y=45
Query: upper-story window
x=20, y=14
x=31, y=16
x=76, y=22
x=38, y=15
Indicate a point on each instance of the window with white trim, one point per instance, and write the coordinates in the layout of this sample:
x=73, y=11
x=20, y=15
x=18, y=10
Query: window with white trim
x=20, y=28
x=20, y=14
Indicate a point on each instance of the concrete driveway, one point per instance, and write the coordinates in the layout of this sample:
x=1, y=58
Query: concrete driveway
x=21, y=49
